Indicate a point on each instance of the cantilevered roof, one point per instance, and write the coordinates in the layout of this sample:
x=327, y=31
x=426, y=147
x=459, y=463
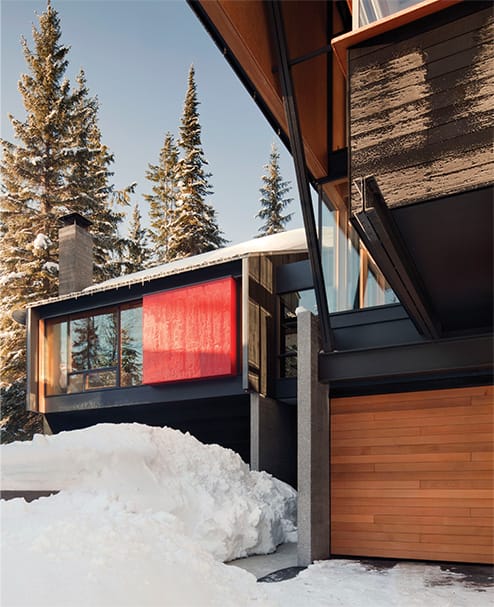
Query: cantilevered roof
x=291, y=241
x=243, y=33
x=291, y=56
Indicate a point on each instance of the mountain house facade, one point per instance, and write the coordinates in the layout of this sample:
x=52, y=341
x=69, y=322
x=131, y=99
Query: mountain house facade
x=380, y=408
x=387, y=110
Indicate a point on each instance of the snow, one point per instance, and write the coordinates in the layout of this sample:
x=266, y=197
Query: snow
x=146, y=515
x=289, y=241
x=50, y=267
x=6, y=278
x=41, y=242
x=346, y=583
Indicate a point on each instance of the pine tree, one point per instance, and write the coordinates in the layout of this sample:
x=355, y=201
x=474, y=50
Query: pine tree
x=273, y=200
x=163, y=200
x=90, y=191
x=137, y=254
x=194, y=228
x=57, y=165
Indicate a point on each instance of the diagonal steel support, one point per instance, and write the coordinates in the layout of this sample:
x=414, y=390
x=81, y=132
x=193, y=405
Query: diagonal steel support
x=376, y=227
x=290, y=106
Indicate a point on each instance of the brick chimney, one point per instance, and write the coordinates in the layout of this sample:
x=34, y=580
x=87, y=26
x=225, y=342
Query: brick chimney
x=75, y=255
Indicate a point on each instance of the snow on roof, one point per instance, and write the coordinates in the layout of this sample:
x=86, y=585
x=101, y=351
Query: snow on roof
x=292, y=241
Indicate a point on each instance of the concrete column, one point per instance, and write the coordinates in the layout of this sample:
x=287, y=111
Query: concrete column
x=313, y=447
x=273, y=437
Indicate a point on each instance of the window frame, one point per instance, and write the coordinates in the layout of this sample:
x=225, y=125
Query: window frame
x=46, y=351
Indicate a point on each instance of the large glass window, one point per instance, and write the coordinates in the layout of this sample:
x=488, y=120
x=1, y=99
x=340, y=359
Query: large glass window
x=369, y=11
x=288, y=328
x=352, y=278
x=96, y=350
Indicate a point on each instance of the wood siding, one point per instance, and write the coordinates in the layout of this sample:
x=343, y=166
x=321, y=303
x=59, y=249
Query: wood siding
x=412, y=475
x=421, y=103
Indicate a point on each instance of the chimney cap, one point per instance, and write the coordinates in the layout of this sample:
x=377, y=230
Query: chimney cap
x=75, y=218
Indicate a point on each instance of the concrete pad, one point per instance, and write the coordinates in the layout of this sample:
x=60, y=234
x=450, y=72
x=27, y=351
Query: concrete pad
x=261, y=565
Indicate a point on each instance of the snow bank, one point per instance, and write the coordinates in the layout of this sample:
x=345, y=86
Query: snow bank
x=144, y=517
x=228, y=510
x=71, y=550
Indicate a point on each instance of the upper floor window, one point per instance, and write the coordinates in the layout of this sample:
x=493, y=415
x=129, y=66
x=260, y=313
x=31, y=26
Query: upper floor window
x=94, y=350
x=368, y=11
x=352, y=278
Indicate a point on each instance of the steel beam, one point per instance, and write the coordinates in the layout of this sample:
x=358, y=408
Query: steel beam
x=377, y=229
x=297, y=147
x=423, y=359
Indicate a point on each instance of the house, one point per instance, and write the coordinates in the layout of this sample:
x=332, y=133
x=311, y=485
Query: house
x=387, y=110
x=202, y=344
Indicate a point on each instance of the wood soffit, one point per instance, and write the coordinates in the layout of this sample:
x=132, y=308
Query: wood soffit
x=244, y=27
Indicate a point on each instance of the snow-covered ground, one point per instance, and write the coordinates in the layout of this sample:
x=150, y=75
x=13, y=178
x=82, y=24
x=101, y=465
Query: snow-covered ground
x=146, y=516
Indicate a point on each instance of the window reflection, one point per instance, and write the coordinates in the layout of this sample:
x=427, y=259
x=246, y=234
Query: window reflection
x=352, y=279
x=288, y=328
x=131, y=346
x=373, y=10
x=94, y=351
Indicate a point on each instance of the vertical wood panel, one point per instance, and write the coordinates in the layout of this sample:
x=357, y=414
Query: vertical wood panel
x=408, y=482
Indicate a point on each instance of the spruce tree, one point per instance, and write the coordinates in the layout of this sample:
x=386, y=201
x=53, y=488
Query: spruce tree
x=194, y=228
x=57, y=165
x=273, y=201
x=137, y=253
x=90, y=190
x=163, y=200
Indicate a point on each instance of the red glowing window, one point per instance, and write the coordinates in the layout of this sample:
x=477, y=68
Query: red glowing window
x=190, y=332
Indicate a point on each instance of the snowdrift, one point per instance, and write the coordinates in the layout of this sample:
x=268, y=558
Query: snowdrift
x=209, y=491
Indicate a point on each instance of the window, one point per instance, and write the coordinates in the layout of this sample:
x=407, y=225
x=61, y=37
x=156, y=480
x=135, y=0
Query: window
x=369, y=11
x=352, y=279
x=288, y=328
x=95, y=350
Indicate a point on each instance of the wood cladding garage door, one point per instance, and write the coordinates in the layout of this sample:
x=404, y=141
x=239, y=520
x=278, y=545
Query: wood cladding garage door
x=412, y=475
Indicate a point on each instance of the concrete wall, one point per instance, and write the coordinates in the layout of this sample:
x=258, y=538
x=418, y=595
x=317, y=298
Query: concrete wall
x=273, y=442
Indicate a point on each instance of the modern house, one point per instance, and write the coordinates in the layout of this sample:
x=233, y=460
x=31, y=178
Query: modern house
x=203, y=344
x=386, y=107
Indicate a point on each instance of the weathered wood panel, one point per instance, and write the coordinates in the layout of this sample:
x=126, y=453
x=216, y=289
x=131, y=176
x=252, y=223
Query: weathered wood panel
x=421, y=104
x=412, y=475
x=262, y=344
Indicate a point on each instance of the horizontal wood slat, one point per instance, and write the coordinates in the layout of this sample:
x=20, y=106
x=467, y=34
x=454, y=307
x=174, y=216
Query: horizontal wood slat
x=420, y=104
x=409, y=479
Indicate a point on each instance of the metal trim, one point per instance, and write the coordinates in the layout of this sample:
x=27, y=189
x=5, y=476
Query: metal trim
x=421, y=359
x=290, y=106
x=377, y=229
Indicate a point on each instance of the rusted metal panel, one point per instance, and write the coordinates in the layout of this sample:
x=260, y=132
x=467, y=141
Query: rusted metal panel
x=190, y=332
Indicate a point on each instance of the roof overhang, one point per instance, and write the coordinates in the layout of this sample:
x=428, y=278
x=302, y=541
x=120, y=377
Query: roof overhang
x=243, y=33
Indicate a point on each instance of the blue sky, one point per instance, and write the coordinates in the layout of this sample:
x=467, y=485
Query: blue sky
x=136, y=55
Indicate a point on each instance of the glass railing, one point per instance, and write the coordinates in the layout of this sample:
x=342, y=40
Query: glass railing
x=368, y=11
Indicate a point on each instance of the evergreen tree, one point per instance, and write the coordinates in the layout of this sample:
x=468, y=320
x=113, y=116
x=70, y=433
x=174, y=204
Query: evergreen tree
x=273, y=201
x=90, y=191
x=194, y=228
x=57, y=165
x=163, y=200
x=137, y=253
